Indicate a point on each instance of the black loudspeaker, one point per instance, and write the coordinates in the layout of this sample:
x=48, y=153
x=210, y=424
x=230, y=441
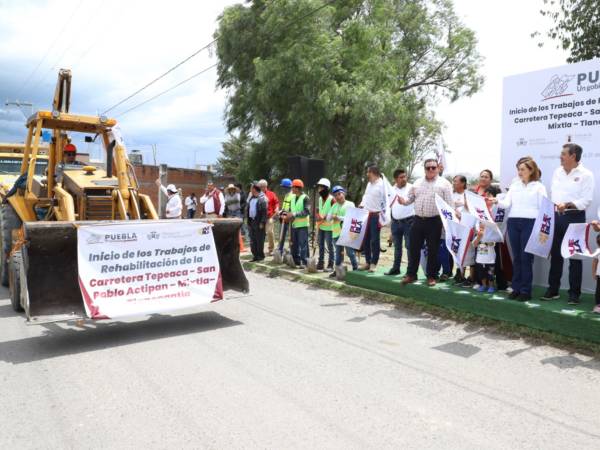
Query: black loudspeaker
x=308, y=170
x=297, y=167
x=316, y=171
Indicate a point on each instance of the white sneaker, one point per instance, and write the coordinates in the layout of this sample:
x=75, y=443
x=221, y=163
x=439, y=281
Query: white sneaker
x=372, y=268
x=509, y=290
x=476, y=286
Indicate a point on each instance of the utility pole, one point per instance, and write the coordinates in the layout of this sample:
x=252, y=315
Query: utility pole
x=163, y=170
x=19, y=104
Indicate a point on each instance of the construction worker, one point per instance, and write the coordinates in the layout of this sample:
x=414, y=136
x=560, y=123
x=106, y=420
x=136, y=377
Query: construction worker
x=286, y=208
x=336, y=216
x=299, y=217
x=174, y=206
x=69, y=159
x=326, y=201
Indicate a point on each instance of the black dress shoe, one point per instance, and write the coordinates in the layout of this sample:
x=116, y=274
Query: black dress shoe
x=550, y=295
x=393, y=272
x=513, y=295
x=524, y=297
x=573, y=301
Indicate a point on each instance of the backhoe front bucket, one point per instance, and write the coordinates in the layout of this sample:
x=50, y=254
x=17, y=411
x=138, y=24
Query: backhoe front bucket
x=52, y=292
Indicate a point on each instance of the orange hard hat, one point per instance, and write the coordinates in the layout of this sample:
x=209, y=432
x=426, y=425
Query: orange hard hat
x=298, y=183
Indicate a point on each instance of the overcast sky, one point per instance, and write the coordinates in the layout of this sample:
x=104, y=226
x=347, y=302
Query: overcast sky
x=114, y=48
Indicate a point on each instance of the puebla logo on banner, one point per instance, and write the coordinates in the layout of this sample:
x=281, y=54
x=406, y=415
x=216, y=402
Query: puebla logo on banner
x=458, y=235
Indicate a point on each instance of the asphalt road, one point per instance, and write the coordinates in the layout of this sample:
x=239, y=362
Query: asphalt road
x=289, y=367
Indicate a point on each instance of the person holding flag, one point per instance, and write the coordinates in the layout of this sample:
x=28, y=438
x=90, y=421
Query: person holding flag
x=375, y=201
x=571, y=191
x=427, y=224
x=336, y=216
x=524, y=200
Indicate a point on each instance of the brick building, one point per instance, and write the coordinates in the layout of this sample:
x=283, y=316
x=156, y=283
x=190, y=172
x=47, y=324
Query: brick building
x=188, y=180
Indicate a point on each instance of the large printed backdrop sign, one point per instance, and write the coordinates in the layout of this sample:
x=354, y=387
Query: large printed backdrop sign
x=127, y=270
x=543, y=110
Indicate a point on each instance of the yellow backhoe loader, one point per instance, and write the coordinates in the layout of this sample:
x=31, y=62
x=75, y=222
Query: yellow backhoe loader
x=38, y=220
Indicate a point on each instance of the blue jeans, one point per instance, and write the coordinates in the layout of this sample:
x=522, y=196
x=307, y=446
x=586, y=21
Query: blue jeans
x=284, y=230
x=400, y=232
x=372, y=244
x=519, y=231
x=339, y=254
x=326, y=237
x=300, y=245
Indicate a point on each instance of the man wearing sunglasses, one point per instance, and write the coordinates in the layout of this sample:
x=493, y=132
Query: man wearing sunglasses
x=427, y=224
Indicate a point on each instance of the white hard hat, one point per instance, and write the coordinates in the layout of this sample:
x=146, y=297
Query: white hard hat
x=324, y=182
x=171, y=188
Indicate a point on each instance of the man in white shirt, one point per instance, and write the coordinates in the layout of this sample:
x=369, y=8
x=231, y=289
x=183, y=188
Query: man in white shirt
x=572, y=191
x=374, y=200
x=174, y=207
x=213, y=201
x=402, y=218
x=191, y=202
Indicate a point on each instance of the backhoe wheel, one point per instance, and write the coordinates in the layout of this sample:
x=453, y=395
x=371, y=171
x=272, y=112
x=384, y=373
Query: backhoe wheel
x=14, y=276
x=9, y=221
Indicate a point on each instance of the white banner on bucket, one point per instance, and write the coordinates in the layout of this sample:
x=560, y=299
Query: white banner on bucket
x=145, y=268
x=354, y=228
x=540, y=241
x=575, y=244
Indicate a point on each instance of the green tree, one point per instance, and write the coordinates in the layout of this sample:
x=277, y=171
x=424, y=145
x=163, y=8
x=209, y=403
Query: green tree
x=576, y=27
x=234, y=159
x=348, y=83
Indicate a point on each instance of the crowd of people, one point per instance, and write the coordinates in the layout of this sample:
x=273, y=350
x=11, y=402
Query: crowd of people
x=416, y=224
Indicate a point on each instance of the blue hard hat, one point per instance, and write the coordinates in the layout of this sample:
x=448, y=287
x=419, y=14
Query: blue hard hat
x=337, y=188
x=286, y=182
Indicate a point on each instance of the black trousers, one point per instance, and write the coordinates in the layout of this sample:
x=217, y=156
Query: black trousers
x=561, y=223
x=257, y=238
x=424, y=230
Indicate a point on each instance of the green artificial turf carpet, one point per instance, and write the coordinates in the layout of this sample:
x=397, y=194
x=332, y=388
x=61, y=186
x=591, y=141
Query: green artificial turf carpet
x=556, y=315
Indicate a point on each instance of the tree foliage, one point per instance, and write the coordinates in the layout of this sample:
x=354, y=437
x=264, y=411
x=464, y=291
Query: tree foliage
x=350, y=83
x=576, y=27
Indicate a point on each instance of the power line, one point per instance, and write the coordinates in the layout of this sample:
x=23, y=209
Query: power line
x=161, y=76
x=56, y=63
x=168, y=90
x=58, y=36
x=310, y=13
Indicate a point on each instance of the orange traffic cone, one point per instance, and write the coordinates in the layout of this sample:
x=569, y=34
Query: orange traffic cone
x=242, y=249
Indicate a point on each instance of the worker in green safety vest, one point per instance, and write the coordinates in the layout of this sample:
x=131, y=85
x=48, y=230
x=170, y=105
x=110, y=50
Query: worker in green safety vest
x=336, y=215
x=326, y=201
x=299, y=217
x=286, y=208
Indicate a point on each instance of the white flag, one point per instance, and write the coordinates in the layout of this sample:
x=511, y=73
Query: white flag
x=576, y=242
x=458, y=241
x=441, y=154
x=385, y=216
x=446, y=212
x=540, y=241
x=470, y=221
x=478, y=207
x=354, y=228
x=500, y=215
